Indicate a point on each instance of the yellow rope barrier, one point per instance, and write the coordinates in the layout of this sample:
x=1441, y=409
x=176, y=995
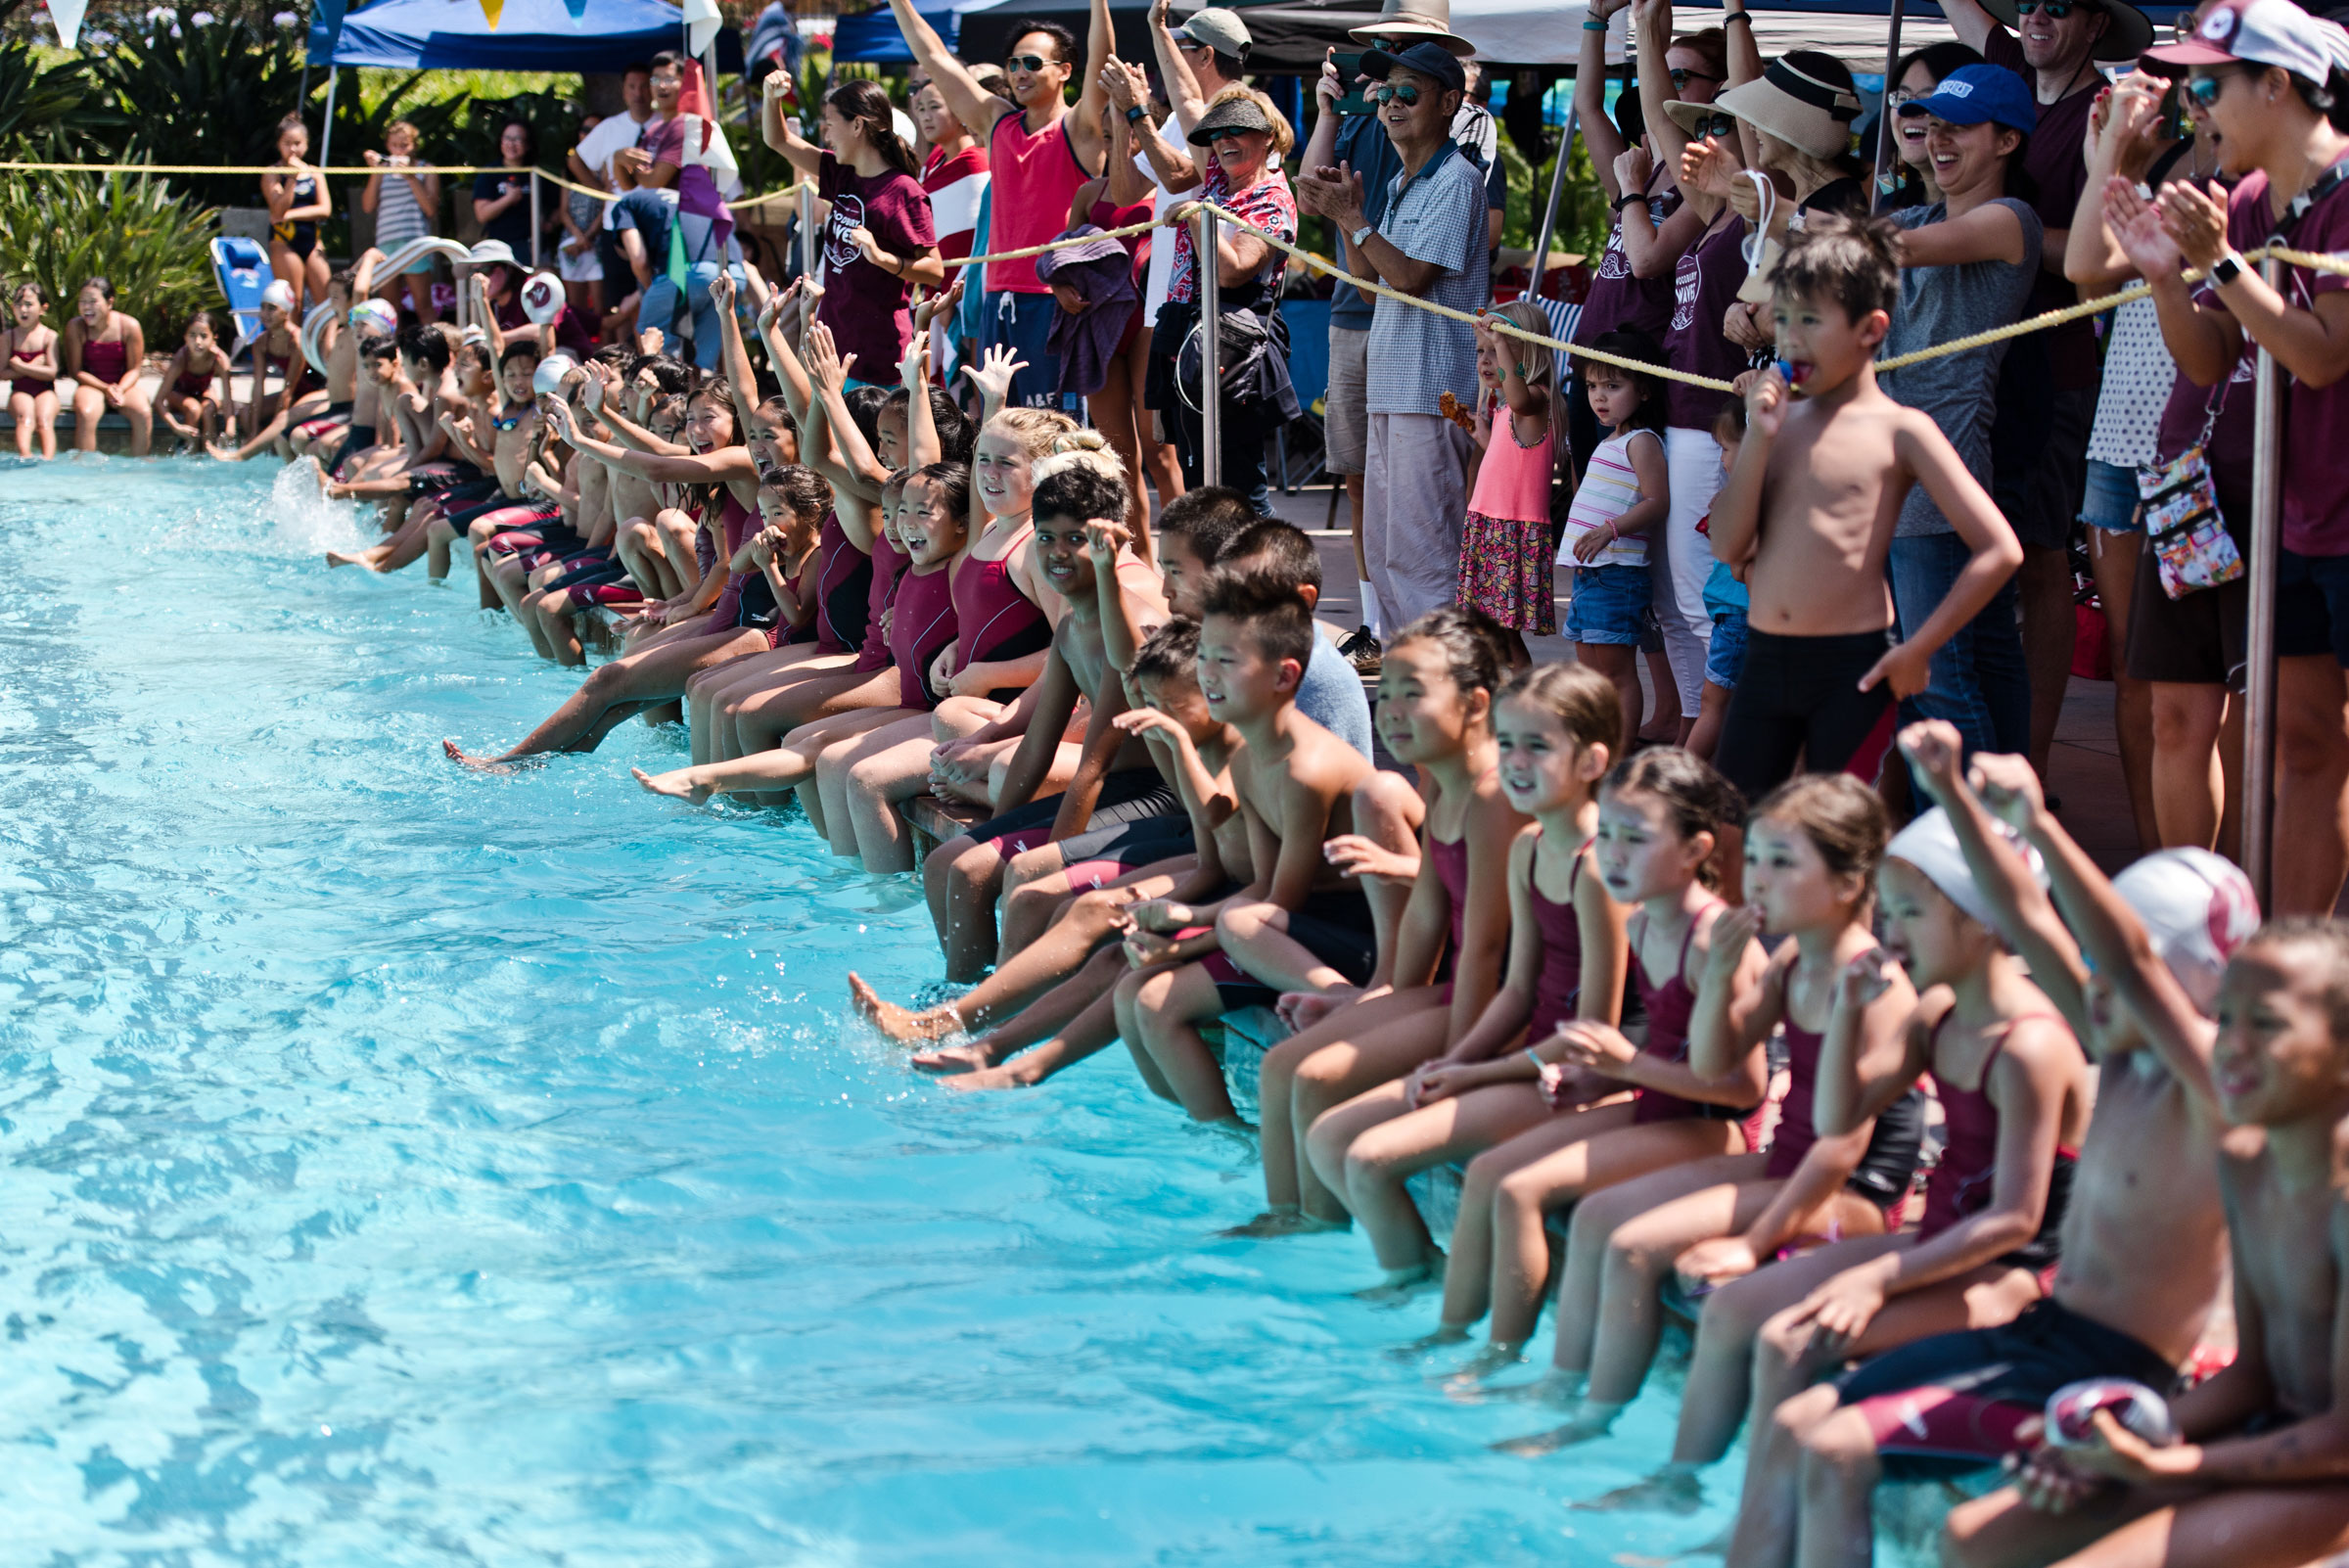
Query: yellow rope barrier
x=1053, y=245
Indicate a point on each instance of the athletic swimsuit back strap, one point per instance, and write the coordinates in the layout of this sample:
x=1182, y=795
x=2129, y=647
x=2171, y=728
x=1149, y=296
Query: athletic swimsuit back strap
x=1961, y=1183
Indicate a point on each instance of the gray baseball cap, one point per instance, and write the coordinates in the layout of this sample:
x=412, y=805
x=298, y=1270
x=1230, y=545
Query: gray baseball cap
x=1219, y=30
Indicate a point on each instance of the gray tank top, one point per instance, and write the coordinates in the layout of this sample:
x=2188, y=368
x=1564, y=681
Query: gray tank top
x=1938, y=304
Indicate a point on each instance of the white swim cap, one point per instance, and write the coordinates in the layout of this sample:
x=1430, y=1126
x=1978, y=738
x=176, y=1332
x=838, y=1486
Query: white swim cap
x=374, y=316
x=1930, y=845
x=2197, y=908
x=547, y=381
x=542, y=298
x=279, y=294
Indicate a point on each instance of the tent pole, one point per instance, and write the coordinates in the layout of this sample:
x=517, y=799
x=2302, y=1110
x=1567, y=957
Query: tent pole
x=326, y=136
x=1892, y=58
x=1210, y=348
x=1549, y=213
x=807, y=234
x=2259, y=685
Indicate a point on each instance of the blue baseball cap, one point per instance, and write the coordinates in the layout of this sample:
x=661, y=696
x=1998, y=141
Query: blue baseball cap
x=1971, y=95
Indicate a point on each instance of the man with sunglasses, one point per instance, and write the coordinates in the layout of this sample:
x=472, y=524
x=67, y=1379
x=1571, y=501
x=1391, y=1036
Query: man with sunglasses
x=2047, y=386
x=1039, y=151
x=1429, y=241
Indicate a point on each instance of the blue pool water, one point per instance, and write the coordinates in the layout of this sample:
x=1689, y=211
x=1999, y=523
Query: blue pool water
x=404, y=1166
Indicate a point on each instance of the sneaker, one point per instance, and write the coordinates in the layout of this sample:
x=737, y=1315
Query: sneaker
x=1361, y=649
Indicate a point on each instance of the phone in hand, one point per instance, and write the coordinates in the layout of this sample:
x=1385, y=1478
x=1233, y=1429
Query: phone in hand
x=1349, y=68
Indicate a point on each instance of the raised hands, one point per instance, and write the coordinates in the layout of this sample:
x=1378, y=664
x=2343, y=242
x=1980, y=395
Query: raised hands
x=1633, y=168
x=721, y=292
x=2137, y=228
x=827, y=366
x=1104, y=538
x=2008, y=787
x=1938, y=752
x=2196, y=219
x=1866, y=977
x=993, y=374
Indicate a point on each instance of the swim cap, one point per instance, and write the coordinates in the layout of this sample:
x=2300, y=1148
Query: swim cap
x=1930, y=845
x=374, y=317
x=279, y=294
x=542, y=298
x=547, y=381
x=2071, y=1412
x=2197, y=908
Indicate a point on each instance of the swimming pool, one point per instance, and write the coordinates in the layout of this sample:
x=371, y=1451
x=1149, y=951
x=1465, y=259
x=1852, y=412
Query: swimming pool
x=407, y=1167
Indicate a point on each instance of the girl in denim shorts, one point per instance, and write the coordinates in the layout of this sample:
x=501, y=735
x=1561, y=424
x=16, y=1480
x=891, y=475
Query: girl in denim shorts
x=1626, y=492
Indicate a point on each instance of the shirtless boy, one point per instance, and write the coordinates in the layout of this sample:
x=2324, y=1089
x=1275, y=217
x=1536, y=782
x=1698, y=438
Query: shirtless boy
x=1079, y=1016
x=2143, y=1238
x=1295, y=782
x=1116, y=780
x=1809, y=506
x=2257, y=1483
x=420, y=465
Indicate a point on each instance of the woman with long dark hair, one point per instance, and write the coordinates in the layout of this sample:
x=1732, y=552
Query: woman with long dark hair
x=880, y=242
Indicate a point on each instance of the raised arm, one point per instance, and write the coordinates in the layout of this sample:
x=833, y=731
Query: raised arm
x=2122, y=138
x=1182, y=88
x=742, y=385
x=2312, y=344
x=782, y=133
x=1085, y=120
x=1601, y=137
x=1129, y=90
x=973, y=105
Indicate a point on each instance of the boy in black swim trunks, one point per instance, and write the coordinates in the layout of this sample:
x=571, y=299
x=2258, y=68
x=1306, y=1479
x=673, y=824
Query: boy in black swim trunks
x=1811, y=503
x=2257, y=1480
x=2142, y=1239
x=1295, y=782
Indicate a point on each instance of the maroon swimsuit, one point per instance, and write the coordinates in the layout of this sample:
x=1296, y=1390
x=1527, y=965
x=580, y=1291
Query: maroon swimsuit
x=922, y=624
x=1669, y=1008
x=998, y=621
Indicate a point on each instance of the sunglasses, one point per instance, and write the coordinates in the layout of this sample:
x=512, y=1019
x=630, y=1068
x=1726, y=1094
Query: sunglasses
x=1722, y=127
x=1226, y=133
x=2056, y=10
x=1406, y=94
x=1680, y=79
x=2205, y=90
x=1028, y=62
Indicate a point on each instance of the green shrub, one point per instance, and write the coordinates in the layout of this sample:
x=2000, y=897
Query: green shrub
x=211, y=95
x=135, y=231
x=53, y=113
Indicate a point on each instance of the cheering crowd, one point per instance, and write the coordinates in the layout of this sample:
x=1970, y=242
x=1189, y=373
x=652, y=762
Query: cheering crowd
x=1781, y=995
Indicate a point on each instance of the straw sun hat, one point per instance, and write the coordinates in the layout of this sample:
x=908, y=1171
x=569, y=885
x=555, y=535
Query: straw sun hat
x=2128, y=35
x=1408, y=21
x=1805, y=99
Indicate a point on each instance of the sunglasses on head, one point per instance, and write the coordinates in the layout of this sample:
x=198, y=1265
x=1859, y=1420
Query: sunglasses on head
x=1028, y=62
x=1404, y=93
x=1724, y=126
x=1680, y=79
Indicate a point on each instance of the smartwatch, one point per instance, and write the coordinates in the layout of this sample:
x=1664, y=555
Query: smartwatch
x=1134, y=113
x=2229, y=268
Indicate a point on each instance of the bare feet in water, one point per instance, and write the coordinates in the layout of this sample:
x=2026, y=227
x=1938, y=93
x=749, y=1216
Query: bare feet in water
x=1402, y=1284
x=953, y=1059
x=479, y=765
x=888, y=1019
x=988, y=1078
x=1467, y=1378
x=1670, y=1489
x=1587, y=1422
x=676, y=783
x=1445, y=1337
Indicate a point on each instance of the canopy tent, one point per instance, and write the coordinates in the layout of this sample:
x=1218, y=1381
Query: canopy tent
x=529, y=36
x=871, y=37
x=987, y=26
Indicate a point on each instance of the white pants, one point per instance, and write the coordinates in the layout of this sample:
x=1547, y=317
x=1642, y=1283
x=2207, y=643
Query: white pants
x=1679, y=569
x=1414, y=509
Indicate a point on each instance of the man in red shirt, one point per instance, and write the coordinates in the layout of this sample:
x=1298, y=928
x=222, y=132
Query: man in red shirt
x=1037, y=153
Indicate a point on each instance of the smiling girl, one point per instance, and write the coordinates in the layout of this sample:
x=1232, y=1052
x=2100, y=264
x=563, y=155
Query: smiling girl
x=32, y=371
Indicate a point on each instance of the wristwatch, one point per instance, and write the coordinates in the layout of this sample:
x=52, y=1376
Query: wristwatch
x=1134, y=113
x=1356, y=238
x=2229, y=267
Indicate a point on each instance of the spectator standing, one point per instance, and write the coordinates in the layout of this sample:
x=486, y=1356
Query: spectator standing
x=591, y=164
x=404, y=195
x=1039, y=151
x=1360, y=142
x=954, y=172
x=501, y=197
x=576, y=260
x=1429, y=242
x=668, y=157
x=878, y=242
x=2165, y=761
x=2048, y=394
x=1968, y=262
x=2274, y=83
x=1706, y=275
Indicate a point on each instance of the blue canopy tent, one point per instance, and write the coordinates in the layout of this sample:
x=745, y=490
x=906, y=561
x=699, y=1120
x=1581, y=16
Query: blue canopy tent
x=529, y=36
x=872, y=37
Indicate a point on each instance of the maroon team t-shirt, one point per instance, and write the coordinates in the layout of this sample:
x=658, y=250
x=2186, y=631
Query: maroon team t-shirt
x=2055, y=162
x=865, y=307
x=1620, y=300
x=1705, y=284
x=2316, y=503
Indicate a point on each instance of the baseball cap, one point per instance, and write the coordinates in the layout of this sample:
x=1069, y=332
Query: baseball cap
x=1424, y=58
x=1930, y=845
x=1971, y=95
x=2262, y=33
x=1219, y=30
x=2197, y=908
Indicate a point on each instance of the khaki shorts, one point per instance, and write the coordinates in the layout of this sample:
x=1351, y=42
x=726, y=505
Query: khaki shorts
x=1345, y=412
